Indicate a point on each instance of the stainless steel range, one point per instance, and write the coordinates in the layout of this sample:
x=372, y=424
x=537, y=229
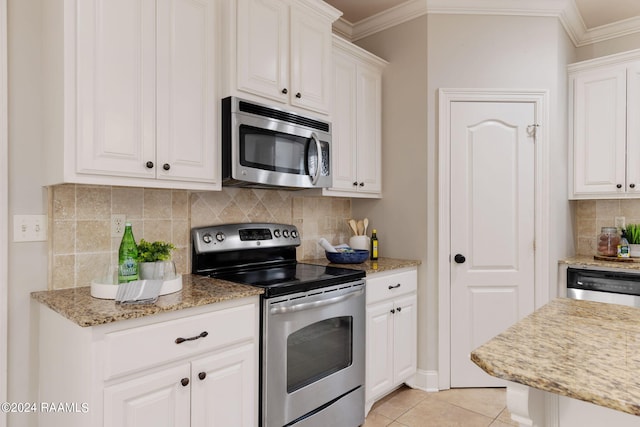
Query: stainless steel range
x=312, y=352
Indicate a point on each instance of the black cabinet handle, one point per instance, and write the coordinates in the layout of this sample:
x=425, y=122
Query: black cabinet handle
x=619, y=186
x=202, y=335
x=166, y=166
x=202, y=375
x=393, y=311
x=285, y=91
x=361, y=184
x=149, y=165
x=298, y=95
x=355, y=183
x=184, y=382
x=394, y=286
x=632, y=185
x=399, y=309
x=459, y=258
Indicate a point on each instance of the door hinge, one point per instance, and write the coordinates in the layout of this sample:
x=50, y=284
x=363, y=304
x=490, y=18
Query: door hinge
x=532, y=130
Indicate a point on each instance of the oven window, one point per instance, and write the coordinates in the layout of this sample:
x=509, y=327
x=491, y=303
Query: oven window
x=274, y=151
x=319, y=350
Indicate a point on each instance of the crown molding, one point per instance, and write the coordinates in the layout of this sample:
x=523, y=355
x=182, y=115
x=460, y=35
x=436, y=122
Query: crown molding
x=565, y=10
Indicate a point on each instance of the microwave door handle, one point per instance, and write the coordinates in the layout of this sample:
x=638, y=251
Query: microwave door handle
x=314, y=179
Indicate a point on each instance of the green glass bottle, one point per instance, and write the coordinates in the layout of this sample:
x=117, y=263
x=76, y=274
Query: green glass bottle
x=374, y=246
x=127, y=257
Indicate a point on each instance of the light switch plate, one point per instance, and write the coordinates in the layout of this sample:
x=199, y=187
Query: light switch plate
x=29, y=228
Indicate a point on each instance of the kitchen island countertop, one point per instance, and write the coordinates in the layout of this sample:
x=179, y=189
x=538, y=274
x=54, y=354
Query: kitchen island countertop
x=370, y=267
x=580, y=349
x=77, y=304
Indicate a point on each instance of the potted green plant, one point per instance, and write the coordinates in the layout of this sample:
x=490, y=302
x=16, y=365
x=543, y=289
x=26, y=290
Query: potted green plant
x=151, y=252
x=633, y=236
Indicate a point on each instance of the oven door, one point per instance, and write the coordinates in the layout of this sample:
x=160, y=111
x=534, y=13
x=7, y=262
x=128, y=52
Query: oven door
x=313, y=358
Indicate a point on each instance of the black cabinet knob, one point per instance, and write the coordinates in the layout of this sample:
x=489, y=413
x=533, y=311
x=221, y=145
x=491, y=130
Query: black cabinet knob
x=285, y=91
x=361, y=184
x=393, y=311
x=632, y=185
x=166, y=166
x=149, y=165
x=202, y=375
x=459, y=258
x=184, y=382
x=355, y=183
x=399, y=309
x=619, y=186
x=298, y=95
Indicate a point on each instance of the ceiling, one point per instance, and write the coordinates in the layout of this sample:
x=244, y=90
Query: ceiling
x=594, y=13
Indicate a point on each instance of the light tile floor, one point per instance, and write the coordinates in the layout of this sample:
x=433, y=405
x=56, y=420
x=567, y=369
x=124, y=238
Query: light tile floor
x=465, y=407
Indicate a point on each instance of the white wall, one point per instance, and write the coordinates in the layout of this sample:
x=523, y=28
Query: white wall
x=400, y=216
x=27, y=261
x=459, y=51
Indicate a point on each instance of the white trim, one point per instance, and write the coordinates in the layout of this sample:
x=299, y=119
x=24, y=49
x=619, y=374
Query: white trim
x=446, y=96
x=4, y=210
x=565, y=10
x=424, y=380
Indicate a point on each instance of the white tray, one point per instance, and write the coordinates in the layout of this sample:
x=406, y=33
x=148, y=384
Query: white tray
x=108, y=291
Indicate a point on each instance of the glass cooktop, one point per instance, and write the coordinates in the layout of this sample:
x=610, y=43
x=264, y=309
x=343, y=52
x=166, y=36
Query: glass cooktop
x=293, y=278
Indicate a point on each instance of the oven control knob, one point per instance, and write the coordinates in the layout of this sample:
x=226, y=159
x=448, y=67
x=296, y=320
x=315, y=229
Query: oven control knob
x=294, y=234
x=285, y=233
x=220, y=236
x=276, y=232
x=207, y=238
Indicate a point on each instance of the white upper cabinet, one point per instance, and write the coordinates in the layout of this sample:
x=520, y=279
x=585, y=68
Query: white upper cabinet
x=356, y=122
x=131, y=93
x=605, y=139
x=279, y=50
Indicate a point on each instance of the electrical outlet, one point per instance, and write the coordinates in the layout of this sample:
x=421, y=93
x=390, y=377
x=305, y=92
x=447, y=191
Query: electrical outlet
x=117, y=225
x=29, y=228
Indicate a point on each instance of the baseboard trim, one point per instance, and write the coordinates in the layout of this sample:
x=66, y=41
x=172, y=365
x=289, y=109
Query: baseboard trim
x=424, y=380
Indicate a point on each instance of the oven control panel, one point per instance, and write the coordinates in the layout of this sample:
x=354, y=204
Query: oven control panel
x=228, y=237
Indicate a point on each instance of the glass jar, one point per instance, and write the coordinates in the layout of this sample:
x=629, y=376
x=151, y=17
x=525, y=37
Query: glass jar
x=608, y=241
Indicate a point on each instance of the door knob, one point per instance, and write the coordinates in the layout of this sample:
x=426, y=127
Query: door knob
x=459, y=258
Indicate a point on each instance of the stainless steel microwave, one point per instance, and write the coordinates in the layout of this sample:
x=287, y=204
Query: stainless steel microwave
x=263, y=146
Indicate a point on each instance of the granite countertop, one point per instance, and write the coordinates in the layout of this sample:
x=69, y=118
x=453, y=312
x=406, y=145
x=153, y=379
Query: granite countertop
x=580, y=349
x=77, y=304
x=369, y=267
x=585, y=260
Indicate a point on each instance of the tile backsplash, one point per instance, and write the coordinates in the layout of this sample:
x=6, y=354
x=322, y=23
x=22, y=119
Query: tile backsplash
x=592, y=215
x=80, y=241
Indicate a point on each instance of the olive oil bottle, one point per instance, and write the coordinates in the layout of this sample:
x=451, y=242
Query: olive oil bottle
x=374, y=245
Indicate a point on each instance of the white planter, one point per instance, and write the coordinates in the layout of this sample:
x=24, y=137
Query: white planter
x=634, y=250
x=146, y=270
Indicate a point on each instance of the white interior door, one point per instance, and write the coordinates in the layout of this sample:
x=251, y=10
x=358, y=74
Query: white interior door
x=492, y=227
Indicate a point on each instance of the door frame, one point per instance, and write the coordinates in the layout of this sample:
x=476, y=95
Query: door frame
x=4, y=211
x=541, y=195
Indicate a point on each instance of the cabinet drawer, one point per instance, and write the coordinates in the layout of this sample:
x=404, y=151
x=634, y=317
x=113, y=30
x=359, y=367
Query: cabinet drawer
x=134, y=349
x=391, y=285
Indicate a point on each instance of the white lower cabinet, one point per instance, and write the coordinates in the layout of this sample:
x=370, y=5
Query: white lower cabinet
x=391, y=332
x=134, y=373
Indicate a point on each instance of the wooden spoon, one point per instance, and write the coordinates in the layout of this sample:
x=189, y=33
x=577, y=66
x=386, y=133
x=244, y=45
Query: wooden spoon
x=360, y=227
x=366, y=224
x=352, y=224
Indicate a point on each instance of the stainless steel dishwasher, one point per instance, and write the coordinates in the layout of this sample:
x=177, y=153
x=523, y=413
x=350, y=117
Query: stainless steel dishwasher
x=615, y=286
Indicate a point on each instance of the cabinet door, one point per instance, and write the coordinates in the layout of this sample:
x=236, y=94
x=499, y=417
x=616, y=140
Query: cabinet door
x=187, y=106
x=343, y=133
x=263, y=48
x=599, y=131
x=116, y=87
x=369, y=129
x=405, y=323
x=224, y=390
x=310, y=42
x=379, y=378
x=158, y=400
x=633, y=129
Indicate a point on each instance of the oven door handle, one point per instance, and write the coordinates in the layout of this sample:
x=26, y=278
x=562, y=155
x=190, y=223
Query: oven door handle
x=315, y=304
